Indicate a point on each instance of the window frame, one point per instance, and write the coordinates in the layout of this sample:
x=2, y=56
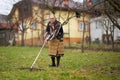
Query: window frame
x=80, y=28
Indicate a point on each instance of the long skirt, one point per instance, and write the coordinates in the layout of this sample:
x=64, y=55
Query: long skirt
x=56, y=47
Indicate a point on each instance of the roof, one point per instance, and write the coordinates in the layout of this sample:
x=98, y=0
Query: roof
x=8, y=26
x=4, y=26
x=59, y=3
x=3, y=18
x=51, y=3
x=47, y=4
x=4, y=22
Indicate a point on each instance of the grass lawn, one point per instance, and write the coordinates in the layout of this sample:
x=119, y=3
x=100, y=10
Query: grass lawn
x=90, y=65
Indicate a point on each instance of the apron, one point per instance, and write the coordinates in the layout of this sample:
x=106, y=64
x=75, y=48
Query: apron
x=56, y=47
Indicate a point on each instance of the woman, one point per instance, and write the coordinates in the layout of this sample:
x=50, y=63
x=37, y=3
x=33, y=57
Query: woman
x=55, y=41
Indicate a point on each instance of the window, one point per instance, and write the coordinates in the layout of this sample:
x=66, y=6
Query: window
x=98, y=25
x=2, y=35
x=118, y=31
x=22, y=26
x=81, y=26
x=33, y=25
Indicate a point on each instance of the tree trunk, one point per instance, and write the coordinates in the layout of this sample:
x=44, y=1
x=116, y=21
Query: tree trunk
x=112, y=38
x=23, y=31
x=22, y=38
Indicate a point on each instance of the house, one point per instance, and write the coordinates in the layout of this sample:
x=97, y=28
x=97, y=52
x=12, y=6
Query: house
x=7, y=31
x=99, y=26
x=33, y=15
x=102, y=29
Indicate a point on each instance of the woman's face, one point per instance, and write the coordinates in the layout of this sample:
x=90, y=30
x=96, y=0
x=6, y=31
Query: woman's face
x=52, y=20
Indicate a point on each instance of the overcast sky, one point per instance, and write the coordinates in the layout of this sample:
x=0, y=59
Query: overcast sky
x=6, y=5
x=78, y=0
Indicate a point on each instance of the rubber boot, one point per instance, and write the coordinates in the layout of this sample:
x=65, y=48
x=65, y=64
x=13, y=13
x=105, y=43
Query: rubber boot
x=58, y=60
x=53, y=62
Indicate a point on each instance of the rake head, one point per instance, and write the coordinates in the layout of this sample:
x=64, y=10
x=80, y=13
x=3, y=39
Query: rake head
x=31, y=69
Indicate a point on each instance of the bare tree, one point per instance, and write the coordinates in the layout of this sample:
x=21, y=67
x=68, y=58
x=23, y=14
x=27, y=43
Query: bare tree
x=26, y=17
x=110, y=8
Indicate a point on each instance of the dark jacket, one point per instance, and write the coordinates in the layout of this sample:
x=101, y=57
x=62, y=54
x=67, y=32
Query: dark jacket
x=57, y=29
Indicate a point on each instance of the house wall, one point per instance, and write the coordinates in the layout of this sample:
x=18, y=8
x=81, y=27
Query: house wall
x=35, y=36
x=98, y=30
x=117, y=31
x=71, y=28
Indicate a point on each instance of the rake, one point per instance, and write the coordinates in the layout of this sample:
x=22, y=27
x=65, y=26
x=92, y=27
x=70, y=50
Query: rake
x=49, y=37
x=31, y=68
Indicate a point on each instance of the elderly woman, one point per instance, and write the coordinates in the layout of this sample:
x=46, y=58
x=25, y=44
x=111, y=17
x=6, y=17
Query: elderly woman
x=56, y=46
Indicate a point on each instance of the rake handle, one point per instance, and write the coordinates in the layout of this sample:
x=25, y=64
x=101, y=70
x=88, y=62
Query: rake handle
x=38, y=54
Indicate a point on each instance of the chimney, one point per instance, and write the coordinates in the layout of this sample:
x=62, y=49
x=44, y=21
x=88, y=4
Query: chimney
x=89, y=3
